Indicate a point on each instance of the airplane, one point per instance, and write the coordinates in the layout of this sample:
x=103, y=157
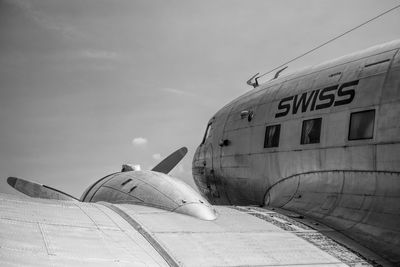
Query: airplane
x=302, y=170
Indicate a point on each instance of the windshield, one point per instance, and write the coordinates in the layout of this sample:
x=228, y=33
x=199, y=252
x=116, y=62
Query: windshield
x=207, y=134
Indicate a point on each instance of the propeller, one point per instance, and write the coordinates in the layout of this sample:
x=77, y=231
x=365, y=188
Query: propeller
x=153, y=188
x=36, y=190
x=171, y=161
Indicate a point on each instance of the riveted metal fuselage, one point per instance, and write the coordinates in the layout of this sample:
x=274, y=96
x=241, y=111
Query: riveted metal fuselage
x=352, y=184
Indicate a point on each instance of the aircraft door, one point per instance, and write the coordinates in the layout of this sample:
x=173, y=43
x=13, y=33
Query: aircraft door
x=238, y=144
x=210, y=172
x=206, y=164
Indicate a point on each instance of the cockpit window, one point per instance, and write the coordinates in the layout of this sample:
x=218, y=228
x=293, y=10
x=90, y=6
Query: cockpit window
x=207, y=133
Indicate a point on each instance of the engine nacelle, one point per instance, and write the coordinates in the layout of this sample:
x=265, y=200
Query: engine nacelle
x=150, y=188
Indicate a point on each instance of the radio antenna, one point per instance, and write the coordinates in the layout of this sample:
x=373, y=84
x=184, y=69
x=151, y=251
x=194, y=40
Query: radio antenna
x=327, y=42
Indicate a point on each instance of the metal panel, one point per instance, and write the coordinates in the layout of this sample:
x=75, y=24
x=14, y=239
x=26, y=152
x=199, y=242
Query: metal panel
x=97, y=235
x=377, y=63
x=362, y=204
x=235, y=239
x=38, y=232
x=388, y=125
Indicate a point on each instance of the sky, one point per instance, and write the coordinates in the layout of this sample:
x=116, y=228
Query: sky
x=89, y=85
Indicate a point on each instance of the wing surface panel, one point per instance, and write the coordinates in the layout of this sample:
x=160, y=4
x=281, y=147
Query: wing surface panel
x=42, y=232
x=240, y=236
x=38, y=232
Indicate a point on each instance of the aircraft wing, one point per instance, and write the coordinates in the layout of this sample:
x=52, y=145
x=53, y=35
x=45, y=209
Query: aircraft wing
x=48, y=232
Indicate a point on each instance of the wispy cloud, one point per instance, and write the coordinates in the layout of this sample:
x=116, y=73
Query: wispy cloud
x=156, y=156
x=177, y=92
x=139, y=141
x=46, y=21
x=100, y=54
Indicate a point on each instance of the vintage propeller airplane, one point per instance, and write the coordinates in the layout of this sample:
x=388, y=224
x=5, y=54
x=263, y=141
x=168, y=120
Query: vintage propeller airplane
x=303, y=170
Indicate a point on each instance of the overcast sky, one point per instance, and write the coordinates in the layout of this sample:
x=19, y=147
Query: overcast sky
x=88, y=85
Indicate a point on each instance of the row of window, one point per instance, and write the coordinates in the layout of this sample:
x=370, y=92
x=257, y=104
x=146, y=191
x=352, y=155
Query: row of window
x=361, y=127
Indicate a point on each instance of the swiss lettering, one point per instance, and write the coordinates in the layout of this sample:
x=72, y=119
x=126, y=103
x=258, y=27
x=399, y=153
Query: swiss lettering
x=285, y=106
x=344, y=90
x=318, y=99
x=326, y=94
x=314, y=99
x=303, y=101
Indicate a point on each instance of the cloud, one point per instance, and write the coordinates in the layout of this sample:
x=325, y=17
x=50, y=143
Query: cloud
x=139, y=141
x=100, y=54
x=156, y=156
x=177, y=92
x=45, y=21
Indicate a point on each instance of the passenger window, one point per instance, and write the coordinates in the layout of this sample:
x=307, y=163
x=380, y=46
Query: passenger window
x=362, y=125
x=207, y=133
x=311, y=131
x=272, y=134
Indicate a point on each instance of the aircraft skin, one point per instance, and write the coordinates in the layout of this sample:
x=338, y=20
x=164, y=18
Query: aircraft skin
x=323, y=142
x=326, y=200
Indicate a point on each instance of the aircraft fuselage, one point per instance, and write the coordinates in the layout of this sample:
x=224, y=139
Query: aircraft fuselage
x=323, y=142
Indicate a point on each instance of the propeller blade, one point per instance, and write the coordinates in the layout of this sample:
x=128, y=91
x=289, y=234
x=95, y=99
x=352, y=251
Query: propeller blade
x=36, y=190
x=171, y=161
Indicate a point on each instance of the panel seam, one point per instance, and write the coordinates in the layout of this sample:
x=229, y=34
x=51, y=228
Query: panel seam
x=146, y=234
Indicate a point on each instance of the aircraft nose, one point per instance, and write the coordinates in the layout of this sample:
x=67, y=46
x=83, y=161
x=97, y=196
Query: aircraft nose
x=197, y=165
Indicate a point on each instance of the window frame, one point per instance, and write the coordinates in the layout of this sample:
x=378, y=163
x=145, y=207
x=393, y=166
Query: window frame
x=278, y=132
x=302, y=131
x=373, y=125
x=206, y=133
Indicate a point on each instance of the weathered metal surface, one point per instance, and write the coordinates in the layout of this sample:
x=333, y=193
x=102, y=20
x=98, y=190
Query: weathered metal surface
x=148, y=236
x=37, y=190
x=318, y=234
x=38, y=232
x=152, y=189
x=237, y=238
x=35, y=232
x=353, y=202
x=360, y=194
